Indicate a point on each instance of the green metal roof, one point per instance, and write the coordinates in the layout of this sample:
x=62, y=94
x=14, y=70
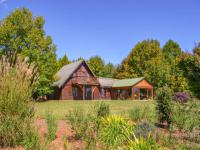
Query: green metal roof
x=126, y=82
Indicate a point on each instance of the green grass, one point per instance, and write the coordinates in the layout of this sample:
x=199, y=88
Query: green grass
x=61, y=107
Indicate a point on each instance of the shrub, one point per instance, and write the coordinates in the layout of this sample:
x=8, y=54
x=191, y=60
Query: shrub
x=145, y=113
x=164, y=105
x=136, y=114
x=144, y=129
x=16, y=108
x=52, y=126
x=114, y=131
x=184, y=117
x=143, y=144
x=85, y=126
x=31, y=141
x=101, y=109
x=181, y=97
x=78, y=121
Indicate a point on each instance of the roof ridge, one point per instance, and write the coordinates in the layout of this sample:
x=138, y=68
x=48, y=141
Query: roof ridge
x=105, y=78
x=131, y=78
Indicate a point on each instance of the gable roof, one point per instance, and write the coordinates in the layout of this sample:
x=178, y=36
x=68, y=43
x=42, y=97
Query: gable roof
x=110, y=82
x=126, y=82
x=66, y=72
x=106, y=82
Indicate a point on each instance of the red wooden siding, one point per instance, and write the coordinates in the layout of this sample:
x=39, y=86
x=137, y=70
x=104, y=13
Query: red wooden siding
x=82, y=76
x=144, y=84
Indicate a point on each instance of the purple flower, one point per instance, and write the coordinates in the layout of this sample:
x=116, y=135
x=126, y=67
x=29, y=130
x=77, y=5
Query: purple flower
x=181, y=97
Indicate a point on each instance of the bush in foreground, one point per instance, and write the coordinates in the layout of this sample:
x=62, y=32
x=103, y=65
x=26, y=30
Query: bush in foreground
x=138, y=114
x=16, y=108
x=163, y=107
x=114, y=131
x=52, y=126
x=144, y=129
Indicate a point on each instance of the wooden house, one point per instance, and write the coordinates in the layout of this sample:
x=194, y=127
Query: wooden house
x=76, y=81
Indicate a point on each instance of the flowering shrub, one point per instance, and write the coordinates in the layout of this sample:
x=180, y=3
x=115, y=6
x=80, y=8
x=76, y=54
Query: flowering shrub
x=114, y=131
x=181, y=97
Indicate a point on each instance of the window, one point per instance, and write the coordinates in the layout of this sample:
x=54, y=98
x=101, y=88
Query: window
x=103, y=92
x=75, y=91
x=87, y=91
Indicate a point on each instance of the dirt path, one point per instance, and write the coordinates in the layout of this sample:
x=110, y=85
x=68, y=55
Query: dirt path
x=64, y=136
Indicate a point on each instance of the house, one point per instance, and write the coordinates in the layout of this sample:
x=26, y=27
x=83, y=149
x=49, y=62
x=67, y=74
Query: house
x=76, y=81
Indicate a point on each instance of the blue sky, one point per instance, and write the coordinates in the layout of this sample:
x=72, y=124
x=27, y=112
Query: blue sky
x=111, y=28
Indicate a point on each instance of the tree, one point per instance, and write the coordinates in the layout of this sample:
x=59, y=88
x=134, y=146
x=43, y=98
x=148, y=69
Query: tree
x=190, y=64
x=145, y=59
x=196, y=49
x=109, y=70
x=171, y=52
x=163, y=106
x=121, y=70
x=22, y=33
x=96, y=63
x=63, y=61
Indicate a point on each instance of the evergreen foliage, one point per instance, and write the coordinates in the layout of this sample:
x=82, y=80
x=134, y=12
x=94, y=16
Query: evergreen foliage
x=63, y=61
x=163, y=106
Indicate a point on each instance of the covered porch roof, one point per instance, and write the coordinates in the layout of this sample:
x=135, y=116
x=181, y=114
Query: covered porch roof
x=126, y=82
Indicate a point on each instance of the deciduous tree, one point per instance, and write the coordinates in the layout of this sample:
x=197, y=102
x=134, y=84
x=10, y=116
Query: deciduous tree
x=96, y=63
x=24, y=34
x=196, y=49
x=171, y=52
x=109, y=70
x=190, y=64
x=145, y=59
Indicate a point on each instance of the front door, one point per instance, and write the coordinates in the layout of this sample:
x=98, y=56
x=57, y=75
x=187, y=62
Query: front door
x=77, y=93
x=88, y=92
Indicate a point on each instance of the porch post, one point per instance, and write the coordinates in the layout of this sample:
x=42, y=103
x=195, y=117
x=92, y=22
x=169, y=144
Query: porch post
x=83, y=92
x=139, y=93
x=152, y=93
x=147, y=93
x=133, y=97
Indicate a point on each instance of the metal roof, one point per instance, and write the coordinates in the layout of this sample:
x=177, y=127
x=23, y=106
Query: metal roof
x=106, y=82
x=126, y=82
x=65, y=72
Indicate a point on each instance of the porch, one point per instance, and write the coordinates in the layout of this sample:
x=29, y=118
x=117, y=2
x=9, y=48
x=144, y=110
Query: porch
x=140, y=93
x=83, y=91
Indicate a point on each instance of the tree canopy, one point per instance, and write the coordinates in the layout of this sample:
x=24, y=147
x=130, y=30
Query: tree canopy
x=143, y=60
x=171, y=50
x=158, y=65
x=100, y=68
x=190, y=64
x=196, y=49
x=63, y=61
x=96, y=63
x=24, y=34
x=109, y=70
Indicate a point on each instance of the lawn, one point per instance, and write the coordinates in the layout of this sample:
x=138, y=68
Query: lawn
x=61, y=107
